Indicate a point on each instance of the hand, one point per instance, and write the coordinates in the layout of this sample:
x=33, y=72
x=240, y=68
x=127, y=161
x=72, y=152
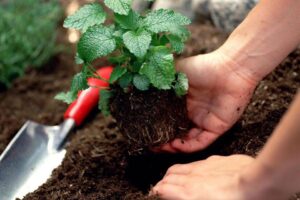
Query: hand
x=215, y=178
x=218, y=95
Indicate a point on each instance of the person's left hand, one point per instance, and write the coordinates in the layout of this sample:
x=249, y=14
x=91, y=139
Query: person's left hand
x=215, y=178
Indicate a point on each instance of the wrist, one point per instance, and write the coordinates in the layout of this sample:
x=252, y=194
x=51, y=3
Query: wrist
x=251, y=54
x=242, y=62
x=259, y=182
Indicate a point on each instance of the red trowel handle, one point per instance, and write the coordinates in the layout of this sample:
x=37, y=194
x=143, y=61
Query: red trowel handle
x=88, y=98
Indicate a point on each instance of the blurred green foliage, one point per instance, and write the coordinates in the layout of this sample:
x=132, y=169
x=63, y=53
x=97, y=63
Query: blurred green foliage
x=27, y=35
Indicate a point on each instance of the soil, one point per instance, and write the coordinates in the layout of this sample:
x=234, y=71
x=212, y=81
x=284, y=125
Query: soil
x=156, y=120
x=97, y=165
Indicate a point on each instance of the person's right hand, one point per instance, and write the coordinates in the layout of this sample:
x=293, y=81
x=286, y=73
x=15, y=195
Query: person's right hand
x=218, y=94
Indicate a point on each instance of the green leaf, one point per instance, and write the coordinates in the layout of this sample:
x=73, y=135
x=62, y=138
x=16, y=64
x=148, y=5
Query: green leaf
x=137, y=42
x=116, y=74
x=67, y=97
x=104, y=101
x=96, y=42
x=176, y=43
x=125, y=80
x=182, y=84
x=163, y=20
x=118, y=35
x=136, y=66
x=130, y=21
x=159, y=40
x=79, y=82
x=78, y=60
x=141, y=82
x=88, y=15
x=119, y=6
x=181, y=32
x=160, y=68
x=118, y=59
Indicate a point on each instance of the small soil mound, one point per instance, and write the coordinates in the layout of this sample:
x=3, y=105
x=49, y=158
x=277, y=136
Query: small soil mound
x=149, y=118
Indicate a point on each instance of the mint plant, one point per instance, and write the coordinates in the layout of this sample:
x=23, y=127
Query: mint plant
x=141, y=46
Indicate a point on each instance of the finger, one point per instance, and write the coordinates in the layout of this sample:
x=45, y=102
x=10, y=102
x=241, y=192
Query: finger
x=180, y=64
x=168, y=148
x=183, y=64
x=179, y=169
x=169, y=191
x=175, y=179
x=212, y=122
x=155, y=149
x=190, y=145
x=164, y=148
x=193, y=133
x=206, y=138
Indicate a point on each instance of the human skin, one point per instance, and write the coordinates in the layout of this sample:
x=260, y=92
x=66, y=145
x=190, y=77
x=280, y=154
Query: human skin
x=221, y=83
x=253, y=50
x=274, y=174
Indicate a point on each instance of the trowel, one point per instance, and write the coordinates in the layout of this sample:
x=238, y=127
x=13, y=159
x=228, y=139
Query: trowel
x=37, y=150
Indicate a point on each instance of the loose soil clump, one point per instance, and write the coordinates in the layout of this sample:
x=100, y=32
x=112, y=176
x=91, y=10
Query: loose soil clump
x=97, y=164
x=149, y=118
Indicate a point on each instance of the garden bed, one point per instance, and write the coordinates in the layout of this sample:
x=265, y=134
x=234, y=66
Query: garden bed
x=97, y=165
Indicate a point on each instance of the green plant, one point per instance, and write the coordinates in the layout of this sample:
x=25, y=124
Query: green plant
x=27, y=35
x=140, y=46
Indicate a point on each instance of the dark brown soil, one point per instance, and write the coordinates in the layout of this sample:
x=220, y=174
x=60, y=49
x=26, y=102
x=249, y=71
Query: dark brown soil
x=149, y=118
x=97, y=165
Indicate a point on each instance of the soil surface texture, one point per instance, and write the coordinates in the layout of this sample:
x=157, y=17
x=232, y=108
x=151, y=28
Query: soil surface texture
x=97, y=164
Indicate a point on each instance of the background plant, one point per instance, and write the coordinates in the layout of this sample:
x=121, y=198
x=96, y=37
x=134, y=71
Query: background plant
x=140, y=46
x=27, y=35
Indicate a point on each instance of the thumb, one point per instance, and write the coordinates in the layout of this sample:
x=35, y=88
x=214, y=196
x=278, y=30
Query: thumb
x=181, y=65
